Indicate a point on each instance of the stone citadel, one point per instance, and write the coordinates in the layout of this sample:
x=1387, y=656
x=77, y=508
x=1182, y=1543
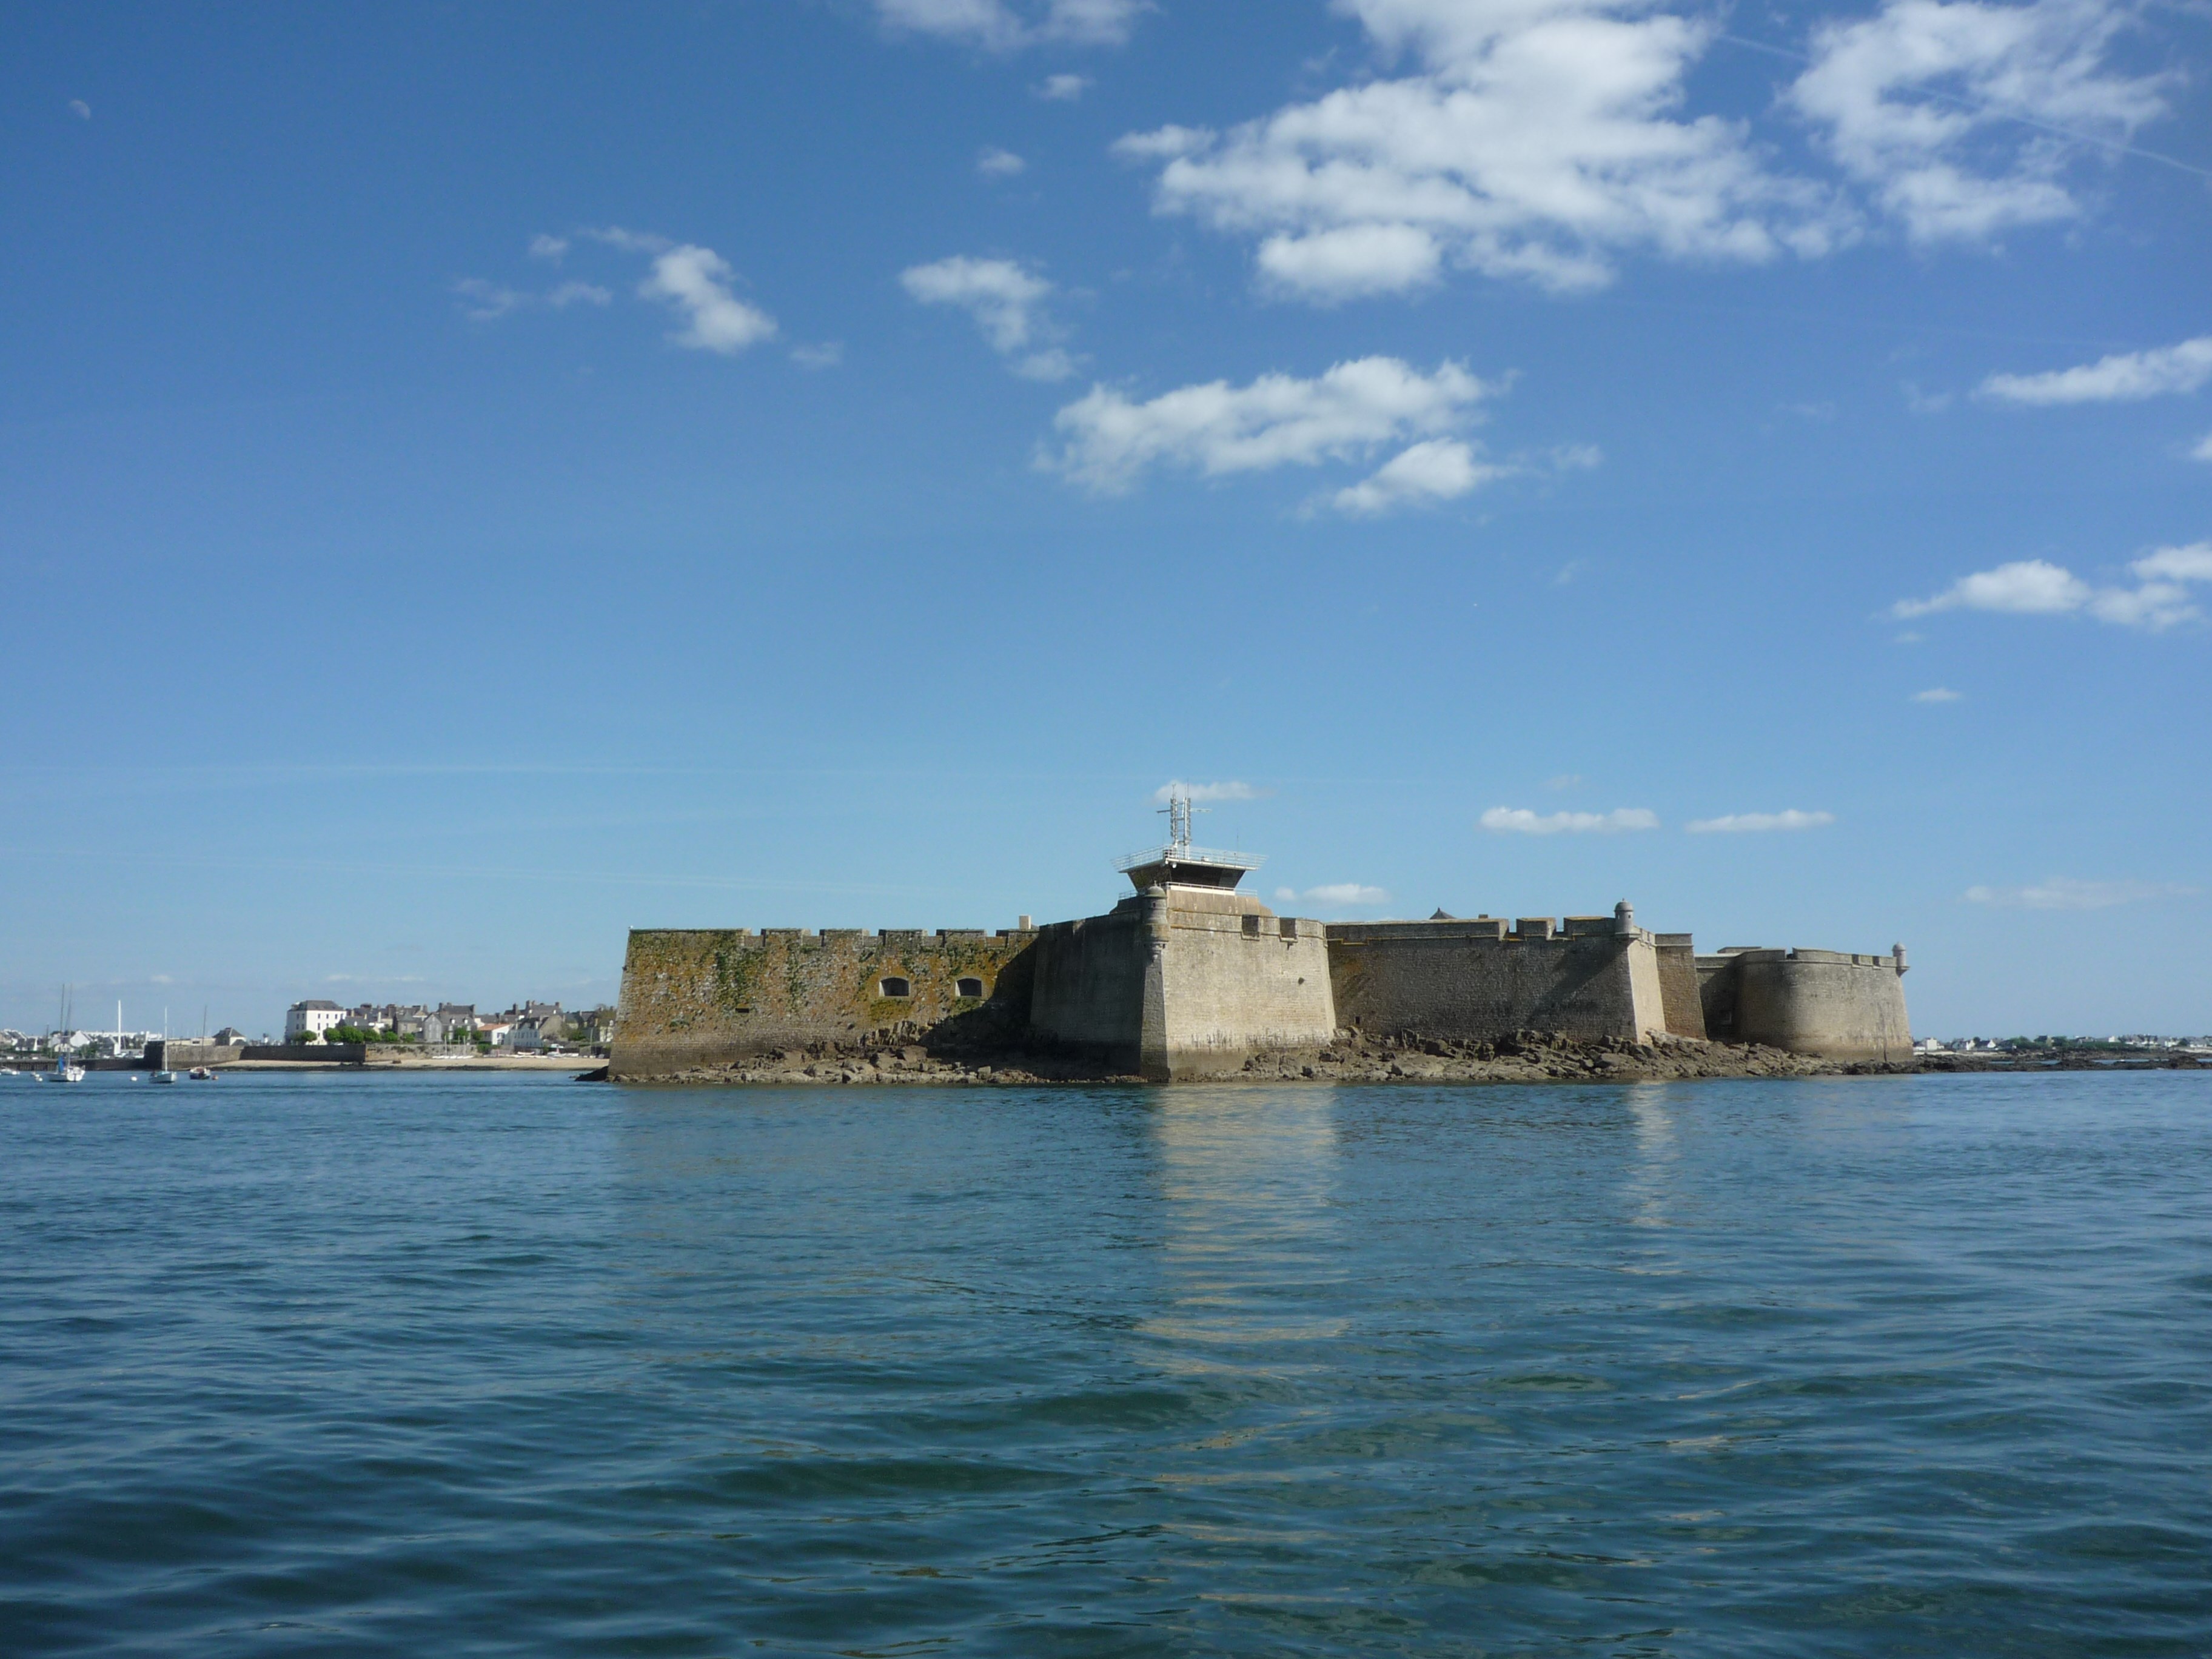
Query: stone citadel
x=1189, y=978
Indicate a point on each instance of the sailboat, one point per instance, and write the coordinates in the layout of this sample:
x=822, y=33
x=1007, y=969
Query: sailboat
x=65, y=1069
x=164, y=1075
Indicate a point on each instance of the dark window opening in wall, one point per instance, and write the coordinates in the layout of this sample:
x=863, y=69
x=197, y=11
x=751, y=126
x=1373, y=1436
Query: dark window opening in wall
x=897, y=987
x=968, y=987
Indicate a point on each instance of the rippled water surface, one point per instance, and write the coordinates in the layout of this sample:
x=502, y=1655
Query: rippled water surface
x=480, y=1364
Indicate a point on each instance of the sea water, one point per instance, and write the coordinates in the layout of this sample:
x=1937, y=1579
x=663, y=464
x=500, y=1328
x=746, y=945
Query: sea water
x=461, y=1364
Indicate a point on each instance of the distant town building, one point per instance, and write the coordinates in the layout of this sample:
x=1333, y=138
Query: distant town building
x=307, y=1021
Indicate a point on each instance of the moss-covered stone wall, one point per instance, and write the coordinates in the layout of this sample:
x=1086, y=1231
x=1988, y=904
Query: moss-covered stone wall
x=696, y=997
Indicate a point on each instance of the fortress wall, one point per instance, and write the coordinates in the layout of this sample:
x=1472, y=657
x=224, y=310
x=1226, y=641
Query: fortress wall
x=696, y=997
x=1236, y=984
x=1716, y=983
x=179, y=1056
x=1472, y=980
x=1678, y=996
x=1831, y=1004
x=1087, y=986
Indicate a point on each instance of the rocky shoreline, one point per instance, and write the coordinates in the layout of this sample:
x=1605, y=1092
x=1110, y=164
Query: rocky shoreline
x=1522, y=1057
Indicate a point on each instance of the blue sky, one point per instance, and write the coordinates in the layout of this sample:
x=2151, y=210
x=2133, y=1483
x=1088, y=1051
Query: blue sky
x=473, y=480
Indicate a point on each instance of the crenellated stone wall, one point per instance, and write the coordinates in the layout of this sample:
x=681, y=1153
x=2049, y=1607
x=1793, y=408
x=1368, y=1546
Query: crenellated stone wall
x=695, y=997
x=1474, y=980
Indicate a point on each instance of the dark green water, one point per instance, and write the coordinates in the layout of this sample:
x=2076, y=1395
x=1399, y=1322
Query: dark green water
x=487, y=1366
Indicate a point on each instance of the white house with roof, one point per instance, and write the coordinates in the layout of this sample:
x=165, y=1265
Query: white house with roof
x=306, y=1021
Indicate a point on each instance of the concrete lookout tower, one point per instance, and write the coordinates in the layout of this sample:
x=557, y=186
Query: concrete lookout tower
x=1179, y=864
x=1187, y=977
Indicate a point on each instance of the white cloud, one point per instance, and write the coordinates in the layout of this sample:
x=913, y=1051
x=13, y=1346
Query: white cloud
x=999, y=26
x=2204, y=450
x=485, y=300
x=1519, y=820
x=828, y=355
x=2192, y=563
x=2063, y=893
x=1278, y=420
x=697, y=282
x=630, y=242
x=1534, y=139
x=1740, y=823
x=542, y=246
x=1335, y=893
x=1936, y=694
x=1007, y=303
x=2035, y=588
x=1435, y=469
x=1229, y=789
x=1964, y=118
x=2154, y=605
x=2124, y=377
x=1062, y=89
x=1351, y=262
x=2029, y=587
x=995, y=163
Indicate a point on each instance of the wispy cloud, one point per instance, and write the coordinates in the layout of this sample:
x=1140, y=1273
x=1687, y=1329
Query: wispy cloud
x=1062, y=89
x=1740, y=823
x=2160, y=599
x=995, y=163
x=2063, y=893
x=1936, y=694
x=485, y=301
x=997, y=26
x=2204, y=450
x=1345, y=413
x=828, y=355
x=1957, y=117
x=1336, y=894
x=2123, y=377
x=1006, y=301
x=695, y=281
x=1519, y=820
x=1227, y=789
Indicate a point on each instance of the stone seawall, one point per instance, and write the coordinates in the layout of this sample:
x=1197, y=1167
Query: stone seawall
x=1472, y=980
x=694, y=997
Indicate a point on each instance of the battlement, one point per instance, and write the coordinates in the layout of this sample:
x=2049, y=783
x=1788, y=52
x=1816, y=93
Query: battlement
x=909, y=936
x=698, y=997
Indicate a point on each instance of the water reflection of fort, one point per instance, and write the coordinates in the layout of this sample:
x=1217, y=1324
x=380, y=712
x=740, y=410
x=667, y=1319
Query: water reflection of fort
x=1249, y=1236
